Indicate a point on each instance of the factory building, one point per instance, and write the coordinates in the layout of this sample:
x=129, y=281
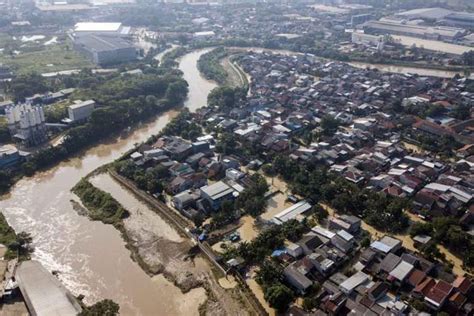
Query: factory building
x=440, y=16
x=461, y=19
x=360, y=19
x=80, y=111
x=9, y=156
x=105, y=50
x=400, y=28
x=377, y=41
x=26, y=123
x=104, y=43
x=93, y=28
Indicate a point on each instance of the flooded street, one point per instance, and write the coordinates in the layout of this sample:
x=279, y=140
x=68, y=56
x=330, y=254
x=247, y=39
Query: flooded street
x=91, y=257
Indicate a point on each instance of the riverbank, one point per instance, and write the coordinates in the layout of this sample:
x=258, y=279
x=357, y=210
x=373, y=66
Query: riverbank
x=75, y=246
x=160, y=249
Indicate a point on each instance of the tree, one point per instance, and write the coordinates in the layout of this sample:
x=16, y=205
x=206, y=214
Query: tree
x=226, y=143
x=319, y=212
x=176, y=92
x=22, y=245
x=279, y=296
x=102, y=308
x=252, y=200
x=468, y=58
x=421, y=229
x=270, y=273
x=329, y=125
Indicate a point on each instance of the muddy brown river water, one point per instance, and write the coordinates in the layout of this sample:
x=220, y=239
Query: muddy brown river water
x=91, y=257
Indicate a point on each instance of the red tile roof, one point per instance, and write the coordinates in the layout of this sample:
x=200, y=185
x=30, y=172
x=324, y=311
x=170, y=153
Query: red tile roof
x=425, y=286
x=416, y=277
x=463, y=284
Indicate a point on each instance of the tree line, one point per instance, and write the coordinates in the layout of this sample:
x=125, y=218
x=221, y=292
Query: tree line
x=209, y=65
x=122, y=102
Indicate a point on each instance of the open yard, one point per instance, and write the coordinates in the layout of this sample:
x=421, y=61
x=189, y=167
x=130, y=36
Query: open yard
x=39, y=56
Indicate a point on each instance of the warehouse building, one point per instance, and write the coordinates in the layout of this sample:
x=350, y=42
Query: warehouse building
x=104, y=43
x=428, y=32
x=105, y=50
x=440, y=16
x=43, y=293
x=80, y=111
x=291, y=212
x=101, y=28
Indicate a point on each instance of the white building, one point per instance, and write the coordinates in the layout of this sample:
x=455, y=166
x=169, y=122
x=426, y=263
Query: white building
x=291, y=212
x=377, y=41
x=101, y=28
x=80, y=111
x=204, y=35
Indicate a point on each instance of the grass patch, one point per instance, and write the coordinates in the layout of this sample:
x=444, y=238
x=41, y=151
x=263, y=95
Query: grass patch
x=49, y=58
x=101, y=205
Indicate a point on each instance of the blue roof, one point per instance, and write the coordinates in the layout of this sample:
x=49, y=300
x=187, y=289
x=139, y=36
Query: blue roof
x=278, y=252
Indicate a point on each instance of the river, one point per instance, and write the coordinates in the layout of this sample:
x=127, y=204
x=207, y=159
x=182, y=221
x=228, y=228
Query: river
x=91, y=257
x=410, y=70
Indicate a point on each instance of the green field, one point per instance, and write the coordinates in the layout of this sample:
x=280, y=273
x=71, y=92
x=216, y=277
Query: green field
x=40, y=58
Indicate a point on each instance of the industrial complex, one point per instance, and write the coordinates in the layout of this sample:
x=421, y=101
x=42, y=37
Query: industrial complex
x=104, y=43
x=26, y=123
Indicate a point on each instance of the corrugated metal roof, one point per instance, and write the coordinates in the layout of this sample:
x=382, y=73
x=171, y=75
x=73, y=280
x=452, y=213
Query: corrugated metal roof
x=43, y=293
x=217, y=190
x=97, y=27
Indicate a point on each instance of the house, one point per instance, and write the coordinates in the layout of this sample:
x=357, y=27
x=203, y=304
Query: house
x=349, y=223
x=334, y=303
x=178, y=148
x=323, y=234
x=367, y=256
x=389, y=263
x=438, y=294
x=322, y=264
x=297, y=279
x=184, y=199
x=352, y=282
x=217, y=193
x=423, y=288
x=386, y=244
x=421, y=240
x=309, y=242
x=463, y=285
x=294, y=250
x=341, y=243
x=377, y=291
x=400, y=273
x=415, y=277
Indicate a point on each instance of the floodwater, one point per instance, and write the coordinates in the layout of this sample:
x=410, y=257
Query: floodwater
x=90, y=256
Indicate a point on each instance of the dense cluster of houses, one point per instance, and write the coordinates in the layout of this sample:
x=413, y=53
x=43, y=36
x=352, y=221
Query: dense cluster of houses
x=198, y=180
x=291, y=95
